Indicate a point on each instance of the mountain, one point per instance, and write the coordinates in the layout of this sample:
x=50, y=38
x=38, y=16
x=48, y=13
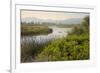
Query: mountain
x=72, y=21
x=66, y=21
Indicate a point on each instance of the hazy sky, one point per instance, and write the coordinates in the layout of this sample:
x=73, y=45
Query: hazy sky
x=51, y=15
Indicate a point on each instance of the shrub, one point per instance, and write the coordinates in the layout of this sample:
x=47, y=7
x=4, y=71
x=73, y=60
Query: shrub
x=75, y=46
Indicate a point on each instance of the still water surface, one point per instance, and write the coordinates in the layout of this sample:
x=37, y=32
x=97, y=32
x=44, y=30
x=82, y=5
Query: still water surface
x=58, y=32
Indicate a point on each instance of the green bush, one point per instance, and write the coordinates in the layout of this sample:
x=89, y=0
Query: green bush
x=70, y=48
x=75, y=46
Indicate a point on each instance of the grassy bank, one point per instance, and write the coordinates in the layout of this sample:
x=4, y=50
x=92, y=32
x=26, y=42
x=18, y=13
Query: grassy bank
x=34, y=29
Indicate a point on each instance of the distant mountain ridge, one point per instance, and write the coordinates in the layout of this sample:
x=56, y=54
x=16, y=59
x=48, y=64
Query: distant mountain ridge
x=66, y=21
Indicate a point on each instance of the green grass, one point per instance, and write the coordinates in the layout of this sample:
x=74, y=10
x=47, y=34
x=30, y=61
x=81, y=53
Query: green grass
x=34, y=30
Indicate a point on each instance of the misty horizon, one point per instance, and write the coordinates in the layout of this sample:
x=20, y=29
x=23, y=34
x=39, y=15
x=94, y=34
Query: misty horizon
x=51, y=15
x=29, y=16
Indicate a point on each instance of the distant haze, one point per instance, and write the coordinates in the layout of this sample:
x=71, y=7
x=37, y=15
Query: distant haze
x=47, y=16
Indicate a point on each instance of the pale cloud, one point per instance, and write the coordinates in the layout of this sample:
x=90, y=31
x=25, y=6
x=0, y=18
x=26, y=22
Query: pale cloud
x=51, y=15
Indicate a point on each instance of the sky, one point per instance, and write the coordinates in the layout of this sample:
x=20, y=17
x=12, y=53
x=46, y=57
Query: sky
x=51, y=15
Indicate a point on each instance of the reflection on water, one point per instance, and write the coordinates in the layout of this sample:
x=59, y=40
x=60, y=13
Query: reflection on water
x=58, y=32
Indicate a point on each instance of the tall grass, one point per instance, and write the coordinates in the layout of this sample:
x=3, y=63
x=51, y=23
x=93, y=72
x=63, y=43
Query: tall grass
x=30, y=49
